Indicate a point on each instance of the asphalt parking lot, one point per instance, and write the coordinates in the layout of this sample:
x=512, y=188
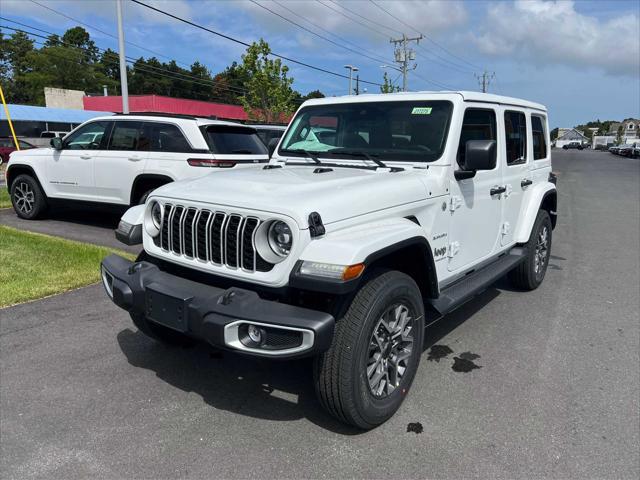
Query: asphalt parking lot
x=82, y=393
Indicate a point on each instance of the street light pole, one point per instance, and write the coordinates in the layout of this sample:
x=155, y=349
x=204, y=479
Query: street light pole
x=123, y=62
x=351, y=70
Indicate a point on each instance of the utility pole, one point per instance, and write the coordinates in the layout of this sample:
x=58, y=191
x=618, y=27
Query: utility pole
x=358, y=84
x=485, y=79
x=351, y=70
x=404, y=55
x=123, y=61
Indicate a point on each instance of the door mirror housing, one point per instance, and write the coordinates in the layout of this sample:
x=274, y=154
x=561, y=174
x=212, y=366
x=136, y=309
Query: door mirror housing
x=56, y=142
x=273, y=143
x=480, y=155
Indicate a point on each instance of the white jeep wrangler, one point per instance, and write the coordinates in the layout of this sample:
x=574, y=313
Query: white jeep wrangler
x=374, y=212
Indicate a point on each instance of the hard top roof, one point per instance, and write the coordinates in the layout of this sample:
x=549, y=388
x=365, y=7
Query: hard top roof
x=429, y=95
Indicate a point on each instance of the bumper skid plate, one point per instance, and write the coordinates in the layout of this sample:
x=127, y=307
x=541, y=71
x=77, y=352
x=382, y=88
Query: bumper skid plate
x=216, y=315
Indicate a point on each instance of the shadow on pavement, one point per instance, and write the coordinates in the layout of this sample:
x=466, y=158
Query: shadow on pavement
x=102, y=217
x=266, y=389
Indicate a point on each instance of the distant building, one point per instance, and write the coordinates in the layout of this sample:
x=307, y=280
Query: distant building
x=158, y=103
x=568, y=135
x=63, y=98
x=630, y=129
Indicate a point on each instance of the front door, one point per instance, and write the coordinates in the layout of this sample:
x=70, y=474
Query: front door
x=70, y=171
x=515, y=171
x=475, y=213
x=126, y=154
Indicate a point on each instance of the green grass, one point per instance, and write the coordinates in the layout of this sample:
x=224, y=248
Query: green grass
x=34, y=266
x=5, y=200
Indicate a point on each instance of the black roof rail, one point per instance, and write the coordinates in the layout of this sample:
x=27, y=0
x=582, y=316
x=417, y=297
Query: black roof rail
x=170, y=115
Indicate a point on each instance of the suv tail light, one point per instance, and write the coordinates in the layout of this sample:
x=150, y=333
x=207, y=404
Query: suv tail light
x=208, y=162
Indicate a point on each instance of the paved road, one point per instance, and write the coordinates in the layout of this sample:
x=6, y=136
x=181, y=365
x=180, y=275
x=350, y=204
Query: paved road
x=83, y=225
x=84, y=394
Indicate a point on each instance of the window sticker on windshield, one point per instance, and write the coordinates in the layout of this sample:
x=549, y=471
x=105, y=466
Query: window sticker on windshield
x=421, y=111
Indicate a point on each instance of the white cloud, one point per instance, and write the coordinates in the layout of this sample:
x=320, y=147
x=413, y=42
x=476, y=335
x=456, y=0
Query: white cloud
x=554, y=32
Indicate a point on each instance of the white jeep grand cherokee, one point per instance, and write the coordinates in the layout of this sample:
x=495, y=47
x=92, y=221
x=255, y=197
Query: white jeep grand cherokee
x=373, y=212
x=119, y=159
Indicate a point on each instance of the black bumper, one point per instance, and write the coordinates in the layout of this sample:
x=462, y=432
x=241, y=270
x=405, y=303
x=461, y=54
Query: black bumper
x=211, y=314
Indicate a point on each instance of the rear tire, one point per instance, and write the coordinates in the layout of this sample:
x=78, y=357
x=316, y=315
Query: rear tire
x=368, y=370
x=27, y=198
x=530, y=273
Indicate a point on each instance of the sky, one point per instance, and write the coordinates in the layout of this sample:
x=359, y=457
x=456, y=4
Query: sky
x=579, y=58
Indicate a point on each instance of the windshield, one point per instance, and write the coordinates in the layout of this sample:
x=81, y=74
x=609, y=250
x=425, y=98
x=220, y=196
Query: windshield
x=408, y=131
x=234, y=140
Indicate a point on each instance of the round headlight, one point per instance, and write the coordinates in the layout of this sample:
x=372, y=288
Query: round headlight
x=153, y=218
x=280, y=238
x=156, y=215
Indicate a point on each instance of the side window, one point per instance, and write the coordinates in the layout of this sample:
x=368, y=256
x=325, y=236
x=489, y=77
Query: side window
x=129, y=136
x=88, y=137
x=538, y=136
x=515, y=127
x=167, y=138
x=478, y=124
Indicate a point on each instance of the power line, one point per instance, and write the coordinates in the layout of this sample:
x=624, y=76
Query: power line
x=426, y=36
x=353, y=19
x=235, y=40
x=320, y=28
x=99, y=30
x=484, y=79
x=382, y=25
x=316, y=34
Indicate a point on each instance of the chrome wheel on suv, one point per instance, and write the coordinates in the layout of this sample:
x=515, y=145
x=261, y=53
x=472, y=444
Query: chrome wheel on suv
x=542, y=249
x=27, y=197
x=24, y=197
x=390, y=349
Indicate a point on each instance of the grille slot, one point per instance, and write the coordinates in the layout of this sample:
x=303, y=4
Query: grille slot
x=213, y=237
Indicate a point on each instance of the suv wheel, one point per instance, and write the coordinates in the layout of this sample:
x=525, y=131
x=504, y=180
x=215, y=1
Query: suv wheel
x=530, y=273
x=28, y=199
x=365, y=375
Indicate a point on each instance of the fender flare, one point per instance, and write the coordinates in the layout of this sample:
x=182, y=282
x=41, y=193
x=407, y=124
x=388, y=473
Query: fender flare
x=539, y=195
x=8, y=176
x=368, y=243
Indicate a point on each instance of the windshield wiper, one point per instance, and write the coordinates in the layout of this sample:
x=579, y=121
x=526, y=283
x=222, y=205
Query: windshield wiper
x=360, y=153
x=307, y=153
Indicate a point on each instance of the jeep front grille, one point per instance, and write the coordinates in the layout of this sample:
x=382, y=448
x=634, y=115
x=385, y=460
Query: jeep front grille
x=214, y=237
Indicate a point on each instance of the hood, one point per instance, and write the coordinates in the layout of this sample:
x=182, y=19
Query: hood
x=296, y=191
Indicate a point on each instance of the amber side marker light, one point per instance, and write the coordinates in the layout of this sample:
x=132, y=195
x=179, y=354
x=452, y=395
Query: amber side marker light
x=353, y=271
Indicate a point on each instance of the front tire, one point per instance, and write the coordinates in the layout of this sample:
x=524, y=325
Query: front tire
x=368, y=370
x=530, y=273
x=28, y=199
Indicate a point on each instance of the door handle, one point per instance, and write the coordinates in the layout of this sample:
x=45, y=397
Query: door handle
x=526, y=182
x=135, y=158
x=497, y=190
x=85, y=157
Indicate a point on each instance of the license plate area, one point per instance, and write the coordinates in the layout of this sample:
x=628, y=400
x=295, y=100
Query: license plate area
x=165, y=308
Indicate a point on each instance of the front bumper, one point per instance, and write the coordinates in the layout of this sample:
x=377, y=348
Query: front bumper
x=215, y=315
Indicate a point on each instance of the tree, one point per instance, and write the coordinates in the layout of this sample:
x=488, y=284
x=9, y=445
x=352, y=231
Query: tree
x=269, y=96
x=387, y=85
x=78, y=37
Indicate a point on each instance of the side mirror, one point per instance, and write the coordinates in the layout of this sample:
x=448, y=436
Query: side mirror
x=56, y=142
x=273, y=143
x=480, y=155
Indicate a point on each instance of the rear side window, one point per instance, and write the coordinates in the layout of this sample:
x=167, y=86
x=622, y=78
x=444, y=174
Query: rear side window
x=478, y=124
x=231, y=140
x=515, y=127
x=538, y=136
x=166, y=137
x=129, y=136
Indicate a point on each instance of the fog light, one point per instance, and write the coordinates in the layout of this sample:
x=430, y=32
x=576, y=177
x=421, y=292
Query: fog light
x=255, y=334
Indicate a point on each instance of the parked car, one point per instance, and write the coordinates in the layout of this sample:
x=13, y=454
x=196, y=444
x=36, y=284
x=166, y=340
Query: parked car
x=52, y=134
x=120, y=159
x=269, y=132
x=7, y=146
x=613, y=149
x=572, y=145
x=635, y=153
x=332, y=250
x=626, y=150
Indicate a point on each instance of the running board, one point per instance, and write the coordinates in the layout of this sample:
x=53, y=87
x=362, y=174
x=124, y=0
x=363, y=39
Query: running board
x=466, y=288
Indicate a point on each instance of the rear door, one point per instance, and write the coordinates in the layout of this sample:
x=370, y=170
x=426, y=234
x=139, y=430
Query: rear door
x=70, y=171
x=515, y=170
x=125, y=156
